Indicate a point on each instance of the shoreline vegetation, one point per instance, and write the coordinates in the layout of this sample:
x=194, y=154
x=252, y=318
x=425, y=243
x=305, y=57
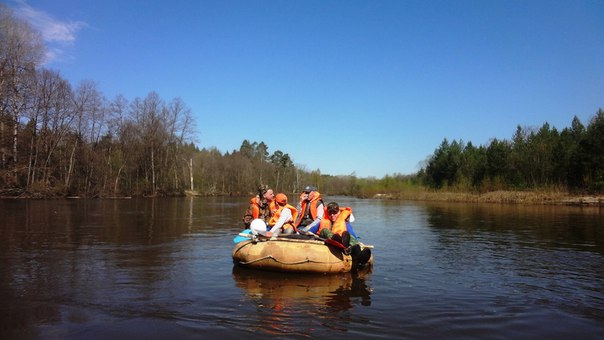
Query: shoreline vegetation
x=500, y=197
x=495, y=197
x=59, y=140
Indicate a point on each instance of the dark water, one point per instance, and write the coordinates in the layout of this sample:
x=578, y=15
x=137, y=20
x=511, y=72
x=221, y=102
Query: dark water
x=162, y=269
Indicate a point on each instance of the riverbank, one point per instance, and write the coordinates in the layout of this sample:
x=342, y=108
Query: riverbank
x=501, y=197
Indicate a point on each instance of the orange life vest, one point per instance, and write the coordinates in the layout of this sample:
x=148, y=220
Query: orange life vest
x=339, y=226
x=258, y=211
x=314, y=203
x=277, y=214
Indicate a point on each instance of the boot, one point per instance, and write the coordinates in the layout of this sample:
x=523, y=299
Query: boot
x=359, y=257
x=355, y=251
x=364, y=257
x=346, y=239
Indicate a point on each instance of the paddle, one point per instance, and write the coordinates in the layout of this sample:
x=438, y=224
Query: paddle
x=243, y=236
x=247, y=235
x=325, y=240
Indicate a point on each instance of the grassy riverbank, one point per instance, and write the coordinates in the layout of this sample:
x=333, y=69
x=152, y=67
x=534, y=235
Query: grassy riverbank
x=502, y=197
x=414, y=194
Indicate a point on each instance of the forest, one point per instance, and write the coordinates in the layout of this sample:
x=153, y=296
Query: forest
x=571, y=159
x=59, y=139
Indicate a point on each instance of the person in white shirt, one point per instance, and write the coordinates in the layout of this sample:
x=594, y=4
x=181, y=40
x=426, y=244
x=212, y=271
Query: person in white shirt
x=282, y=221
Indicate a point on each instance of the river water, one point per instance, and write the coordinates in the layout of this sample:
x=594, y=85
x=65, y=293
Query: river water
x=162, y=269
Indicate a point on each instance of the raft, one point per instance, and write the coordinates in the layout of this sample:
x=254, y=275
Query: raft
x=292, y=255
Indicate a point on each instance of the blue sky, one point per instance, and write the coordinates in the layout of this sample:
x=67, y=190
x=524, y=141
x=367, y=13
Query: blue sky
x=363, y=87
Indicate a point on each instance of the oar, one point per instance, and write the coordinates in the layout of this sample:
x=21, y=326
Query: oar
x=326, y=240
x=246, y=235
x=243, y=236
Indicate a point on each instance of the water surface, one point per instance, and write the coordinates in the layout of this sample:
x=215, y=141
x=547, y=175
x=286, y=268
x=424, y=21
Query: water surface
x=100, y=269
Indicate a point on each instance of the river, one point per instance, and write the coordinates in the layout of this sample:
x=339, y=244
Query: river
x=162, y=269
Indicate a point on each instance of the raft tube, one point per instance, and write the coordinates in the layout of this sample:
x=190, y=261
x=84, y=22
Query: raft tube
x=292, y=255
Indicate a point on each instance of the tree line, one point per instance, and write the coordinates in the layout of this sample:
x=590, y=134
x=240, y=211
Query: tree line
x=571, y=159
x=57, y=139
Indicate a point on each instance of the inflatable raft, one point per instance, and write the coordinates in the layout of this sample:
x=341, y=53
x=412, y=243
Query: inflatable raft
x=295, y=254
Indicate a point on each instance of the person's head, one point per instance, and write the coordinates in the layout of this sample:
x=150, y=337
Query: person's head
x=269, y=195
x=264, y=192
x=309, y=188
x=333, y=211
x=307, y=193
x=281, y=199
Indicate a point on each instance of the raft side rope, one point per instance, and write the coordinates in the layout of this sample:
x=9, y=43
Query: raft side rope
x=280, y=239
x=286, y=263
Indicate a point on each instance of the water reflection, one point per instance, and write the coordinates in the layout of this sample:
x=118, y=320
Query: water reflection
x=335, y=291
x=59, y=257
x=283, y=300
x=543, y=226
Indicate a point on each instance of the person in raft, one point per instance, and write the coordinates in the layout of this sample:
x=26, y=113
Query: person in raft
x=282, y=221
x=337, y=227
x=310, y=209
x=262, y=206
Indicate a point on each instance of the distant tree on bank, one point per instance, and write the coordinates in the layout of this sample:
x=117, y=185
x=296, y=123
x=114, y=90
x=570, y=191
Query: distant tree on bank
x=572, y=159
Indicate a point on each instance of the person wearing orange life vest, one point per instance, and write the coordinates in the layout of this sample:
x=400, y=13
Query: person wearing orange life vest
x=336, y=226
x=310, y=210
x=283, y=219
x=262, y=206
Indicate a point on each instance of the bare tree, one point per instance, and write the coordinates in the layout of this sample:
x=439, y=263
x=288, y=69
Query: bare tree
x=149, y=115
x=56, y=125
x=90, y=124
x=179, y=124
x=49, y=123
x=20, y=53
x=117, y=128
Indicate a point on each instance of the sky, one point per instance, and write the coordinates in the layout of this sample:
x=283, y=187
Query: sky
x=369, y=88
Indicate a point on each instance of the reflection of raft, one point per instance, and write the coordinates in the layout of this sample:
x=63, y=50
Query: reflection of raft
x=302, y=286
x=292, y=255
x=283, y=297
